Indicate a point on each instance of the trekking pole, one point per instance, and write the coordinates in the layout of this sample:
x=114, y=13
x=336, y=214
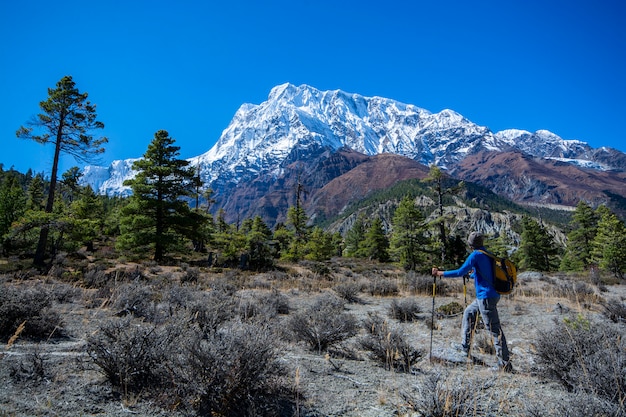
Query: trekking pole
x=432, y=319
x=465, y=289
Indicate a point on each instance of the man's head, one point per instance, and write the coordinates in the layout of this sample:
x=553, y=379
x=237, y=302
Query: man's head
x=475, y=240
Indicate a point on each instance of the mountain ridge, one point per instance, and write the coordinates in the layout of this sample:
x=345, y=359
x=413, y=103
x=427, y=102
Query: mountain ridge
x=301, y=125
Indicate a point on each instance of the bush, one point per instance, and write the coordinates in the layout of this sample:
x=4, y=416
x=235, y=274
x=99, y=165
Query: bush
x=33, y=369
x=577, y=404
x=450, y=309
x=132, y=354
x=404, y=310
x=423, y=284
x=577, y=292
x=348, y=291
x=31, y=306
x=383, y=287
x=584, y=356
x=138, y=299
x=323, y=324
x=387, y=345
x=235, y=372
x=462, y=396
x=615, y=311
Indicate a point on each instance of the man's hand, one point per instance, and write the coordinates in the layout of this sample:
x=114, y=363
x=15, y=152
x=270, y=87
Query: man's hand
x=436, y=272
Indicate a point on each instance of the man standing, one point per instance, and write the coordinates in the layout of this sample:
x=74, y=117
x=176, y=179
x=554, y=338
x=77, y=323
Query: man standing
x=480, y=266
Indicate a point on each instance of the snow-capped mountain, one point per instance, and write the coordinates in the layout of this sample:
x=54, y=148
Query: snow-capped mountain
x=109, y=180
x=297, y=122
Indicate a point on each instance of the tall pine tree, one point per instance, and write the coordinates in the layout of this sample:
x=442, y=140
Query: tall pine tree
x=376, y=244
x=537, y=250
x=584, y=226
x=157, y=218
x=408, y=237
x=67, y=122
x=609, y=244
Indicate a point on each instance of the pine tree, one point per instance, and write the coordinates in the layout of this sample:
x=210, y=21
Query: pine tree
x=355, y=237
x=436, y=177
x=35, y=193
x=297, y=225
x=609, y=244
x=258, y=245
x=408, y=239
x=319, y=246
x=12, y=205
x=88, y=214
x=67, y=121
x=157, y=218
x=537, y=249
x=375, y=244
x=584, y=226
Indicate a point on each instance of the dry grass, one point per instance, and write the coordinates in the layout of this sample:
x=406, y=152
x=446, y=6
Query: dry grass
x=198, y=341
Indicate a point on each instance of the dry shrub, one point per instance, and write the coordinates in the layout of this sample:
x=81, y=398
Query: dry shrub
x=33, y=369
x=383, y=287
x=348, y=291
x=450, y=309
x=405, y=309
x=262, y=305
x=136, y=298
x=233, y=371
x=190, y=275
x=31, y=305
x=323, y=324
x=387, y=345
x=133, y=354
x=423, y=284
x=574, y=405
x=236, y=371
x=484, y=343
x=615, y=310
x=575, y=291
x=460, y=396
x=207, y=309
x=584, y=356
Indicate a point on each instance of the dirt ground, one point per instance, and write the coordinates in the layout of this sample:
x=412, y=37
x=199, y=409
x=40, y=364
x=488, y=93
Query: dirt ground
x=344, y=382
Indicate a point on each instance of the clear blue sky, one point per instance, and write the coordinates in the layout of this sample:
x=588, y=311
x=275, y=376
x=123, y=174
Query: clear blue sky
x=186, y=66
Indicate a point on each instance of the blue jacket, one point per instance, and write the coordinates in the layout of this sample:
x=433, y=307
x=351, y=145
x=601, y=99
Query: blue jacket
x=483, y=281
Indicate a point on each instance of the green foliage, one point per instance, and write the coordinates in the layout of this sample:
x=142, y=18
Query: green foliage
x=584, y=226
x=436, y=179
x=355, y=237
x=36, y=193
x=408, y=236
x=258, y=245
x=375, y=244
x=12, y=204
x=67, y=121
x=297, y=225
x=157, y=219
x=537, y=249
x=609, y=244
x=319, y=246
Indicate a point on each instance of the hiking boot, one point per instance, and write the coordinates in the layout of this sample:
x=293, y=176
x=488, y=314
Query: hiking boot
x=460, y=347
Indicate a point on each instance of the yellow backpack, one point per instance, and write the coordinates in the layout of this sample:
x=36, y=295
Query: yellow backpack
x=504, y=272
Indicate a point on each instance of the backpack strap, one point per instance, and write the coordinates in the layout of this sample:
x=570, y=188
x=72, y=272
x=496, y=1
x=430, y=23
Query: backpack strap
x=493, y=260
x=489, y=254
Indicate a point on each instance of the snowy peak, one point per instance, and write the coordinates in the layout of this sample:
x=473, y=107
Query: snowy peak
x=298, y=121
